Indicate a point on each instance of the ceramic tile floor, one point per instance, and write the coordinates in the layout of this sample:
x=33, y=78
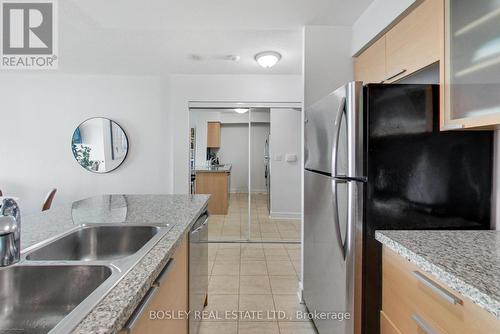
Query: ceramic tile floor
x=234, y=225
x=256, y=280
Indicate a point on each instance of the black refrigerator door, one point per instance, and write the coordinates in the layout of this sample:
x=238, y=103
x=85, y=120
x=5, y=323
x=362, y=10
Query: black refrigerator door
x=418, y=177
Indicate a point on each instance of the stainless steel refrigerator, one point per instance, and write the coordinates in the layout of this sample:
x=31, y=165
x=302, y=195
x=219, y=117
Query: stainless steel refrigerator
x=375, y=159
x=333, y=185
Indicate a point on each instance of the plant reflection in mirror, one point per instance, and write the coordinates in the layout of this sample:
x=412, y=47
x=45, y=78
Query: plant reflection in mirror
x=82, y=155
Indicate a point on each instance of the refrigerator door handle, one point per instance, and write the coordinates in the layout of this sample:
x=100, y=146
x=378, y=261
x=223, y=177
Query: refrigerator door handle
x=341, y=243
x=336, y=135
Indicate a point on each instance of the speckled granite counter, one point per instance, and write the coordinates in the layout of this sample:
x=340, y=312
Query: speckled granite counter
x=220, y=169
x=466, y=261
x=181, y=211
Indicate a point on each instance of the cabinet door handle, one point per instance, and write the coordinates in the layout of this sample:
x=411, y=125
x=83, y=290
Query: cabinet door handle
x=134, y=318
x=449, y=297
x=423, y=325
x=398, y=73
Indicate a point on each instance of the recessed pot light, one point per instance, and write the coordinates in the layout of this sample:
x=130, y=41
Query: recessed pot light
x=267, y=59
x=240, y=110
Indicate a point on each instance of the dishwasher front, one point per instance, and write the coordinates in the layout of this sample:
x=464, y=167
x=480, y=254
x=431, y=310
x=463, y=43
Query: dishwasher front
x=198, y=271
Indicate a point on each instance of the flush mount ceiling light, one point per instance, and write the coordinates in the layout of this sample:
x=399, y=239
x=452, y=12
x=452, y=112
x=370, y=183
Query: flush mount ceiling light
x=267, y=59
x=241, y=110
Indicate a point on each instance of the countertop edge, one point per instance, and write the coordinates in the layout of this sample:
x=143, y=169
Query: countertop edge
x=94, y=321
x=476, y=296
x=225, y=169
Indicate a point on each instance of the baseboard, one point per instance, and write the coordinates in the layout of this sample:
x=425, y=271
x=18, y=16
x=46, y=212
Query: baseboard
x=286, y=215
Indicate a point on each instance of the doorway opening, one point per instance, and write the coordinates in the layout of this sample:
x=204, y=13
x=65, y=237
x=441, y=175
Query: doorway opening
x=249, y=159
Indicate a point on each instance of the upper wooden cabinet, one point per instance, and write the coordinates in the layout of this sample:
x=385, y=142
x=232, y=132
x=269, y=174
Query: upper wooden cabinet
x=370, y=66
x=472, y=66
x=412, y=44
x=415, y=42
x=464, y=37
x=213, y=134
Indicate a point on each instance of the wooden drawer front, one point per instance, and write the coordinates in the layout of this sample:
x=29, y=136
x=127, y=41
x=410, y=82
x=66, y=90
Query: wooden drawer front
x=170, y=294
x=415, y=42
x=418, y=303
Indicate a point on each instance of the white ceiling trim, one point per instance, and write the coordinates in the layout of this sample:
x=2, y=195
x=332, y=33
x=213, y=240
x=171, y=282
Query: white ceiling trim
x=232, y=105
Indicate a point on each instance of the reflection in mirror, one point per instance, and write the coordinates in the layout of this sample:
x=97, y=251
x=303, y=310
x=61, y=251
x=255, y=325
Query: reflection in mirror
x=260, y=174
x=219, y=166
x=99, y=145
x=276, y=159
x=257, y=197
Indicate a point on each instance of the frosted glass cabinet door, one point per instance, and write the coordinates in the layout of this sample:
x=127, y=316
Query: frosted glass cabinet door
x=472, y=87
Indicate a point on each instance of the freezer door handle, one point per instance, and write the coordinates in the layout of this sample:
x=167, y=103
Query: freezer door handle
x=336, y=135
x=341, y=243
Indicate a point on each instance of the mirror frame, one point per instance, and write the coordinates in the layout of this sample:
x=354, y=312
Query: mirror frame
x=126, y=137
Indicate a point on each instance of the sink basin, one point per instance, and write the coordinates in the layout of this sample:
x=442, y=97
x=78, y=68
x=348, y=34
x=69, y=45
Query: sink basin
x=96, y=243
x=34, y=299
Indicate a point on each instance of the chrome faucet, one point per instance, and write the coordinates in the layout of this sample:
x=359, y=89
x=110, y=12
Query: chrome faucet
x=10, y=232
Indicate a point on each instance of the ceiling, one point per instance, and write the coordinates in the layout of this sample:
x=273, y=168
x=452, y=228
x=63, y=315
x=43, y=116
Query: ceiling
x=160, y=36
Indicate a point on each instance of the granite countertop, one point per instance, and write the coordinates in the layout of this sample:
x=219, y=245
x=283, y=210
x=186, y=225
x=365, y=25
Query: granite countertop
x=466, y=261
x=114, y=309
x=226, y=168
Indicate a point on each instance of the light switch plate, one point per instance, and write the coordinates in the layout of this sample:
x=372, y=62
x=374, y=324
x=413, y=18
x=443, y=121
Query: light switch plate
x=291, y=158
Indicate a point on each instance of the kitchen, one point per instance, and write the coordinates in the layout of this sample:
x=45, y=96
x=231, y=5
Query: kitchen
x=388, y=227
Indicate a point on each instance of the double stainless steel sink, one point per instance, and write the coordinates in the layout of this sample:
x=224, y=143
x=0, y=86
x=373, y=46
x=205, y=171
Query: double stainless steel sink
x=96, y=243
x=58, y=282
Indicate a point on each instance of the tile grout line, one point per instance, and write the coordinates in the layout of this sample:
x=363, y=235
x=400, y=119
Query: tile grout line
x=271, y=287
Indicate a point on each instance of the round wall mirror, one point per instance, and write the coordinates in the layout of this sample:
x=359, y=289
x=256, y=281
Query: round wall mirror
x=99, y=145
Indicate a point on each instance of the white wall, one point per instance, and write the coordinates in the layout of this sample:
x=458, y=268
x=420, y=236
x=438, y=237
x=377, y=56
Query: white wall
x=375, y=19
x=234, y=150
x=39, y=113
x=218, y=88
x=286, y=176
x=327, y=60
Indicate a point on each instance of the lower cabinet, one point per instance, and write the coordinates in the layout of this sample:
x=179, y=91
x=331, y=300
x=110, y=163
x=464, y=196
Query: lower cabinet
x=217, y=185
x=168, y=294
x=414, y=302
